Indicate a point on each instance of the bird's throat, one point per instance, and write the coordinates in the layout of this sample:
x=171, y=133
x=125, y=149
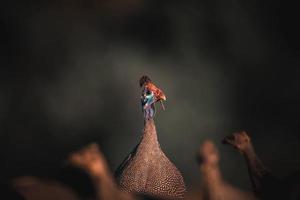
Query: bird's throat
x=149, y=132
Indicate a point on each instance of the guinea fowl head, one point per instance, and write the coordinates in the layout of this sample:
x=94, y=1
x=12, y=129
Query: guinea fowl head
x=159, y=94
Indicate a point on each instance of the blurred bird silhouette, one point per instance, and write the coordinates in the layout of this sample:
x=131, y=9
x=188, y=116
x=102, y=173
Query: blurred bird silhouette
x=265, y=184
x=214, y=187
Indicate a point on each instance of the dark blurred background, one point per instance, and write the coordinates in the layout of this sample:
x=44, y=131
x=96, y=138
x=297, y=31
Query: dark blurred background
x=70, y=69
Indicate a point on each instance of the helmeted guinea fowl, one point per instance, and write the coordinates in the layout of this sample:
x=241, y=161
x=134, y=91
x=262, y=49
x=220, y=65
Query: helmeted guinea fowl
x=147, y=170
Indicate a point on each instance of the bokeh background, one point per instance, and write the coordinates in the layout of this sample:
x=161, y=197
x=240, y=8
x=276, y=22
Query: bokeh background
x=70, y=69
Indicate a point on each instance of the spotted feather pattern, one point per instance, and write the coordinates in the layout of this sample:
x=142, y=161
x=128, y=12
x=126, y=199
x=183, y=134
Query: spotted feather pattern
x=147, y=170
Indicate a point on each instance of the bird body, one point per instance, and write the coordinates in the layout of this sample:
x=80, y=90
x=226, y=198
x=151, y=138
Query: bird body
x=147, y=170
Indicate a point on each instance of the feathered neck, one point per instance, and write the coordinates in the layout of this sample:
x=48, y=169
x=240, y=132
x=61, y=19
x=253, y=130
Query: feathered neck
x=149, y=132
